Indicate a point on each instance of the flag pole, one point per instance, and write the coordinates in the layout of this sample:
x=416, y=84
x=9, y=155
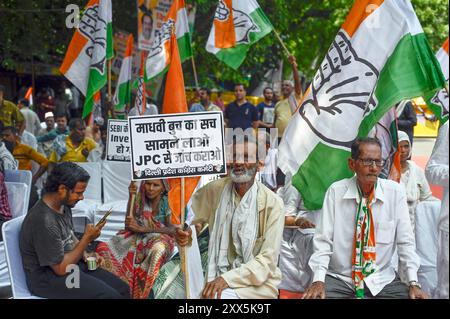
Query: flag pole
x=109, y=80
x=282, y=43
x=183, y=249
x=194, y=68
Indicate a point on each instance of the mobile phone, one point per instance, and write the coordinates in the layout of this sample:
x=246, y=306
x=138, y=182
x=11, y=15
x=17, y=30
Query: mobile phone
x=104, y=217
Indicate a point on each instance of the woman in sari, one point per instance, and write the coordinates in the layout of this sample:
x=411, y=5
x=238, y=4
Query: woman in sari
x=137, y=253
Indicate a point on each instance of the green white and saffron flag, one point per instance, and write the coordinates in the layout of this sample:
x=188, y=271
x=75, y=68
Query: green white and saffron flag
x=85, y=63
x=378, y=58
x=438, y=102
x=122, y=97
x=237, y=26
x=159, y=57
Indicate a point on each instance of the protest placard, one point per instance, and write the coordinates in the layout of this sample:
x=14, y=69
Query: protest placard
x=178, y=145
x=151, y=15
x=118, y=146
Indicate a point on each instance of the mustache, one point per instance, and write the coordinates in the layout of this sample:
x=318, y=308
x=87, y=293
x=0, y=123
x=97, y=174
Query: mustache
x=245, y=177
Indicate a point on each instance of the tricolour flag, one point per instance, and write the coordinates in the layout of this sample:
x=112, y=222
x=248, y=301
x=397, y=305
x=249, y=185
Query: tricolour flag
x=438, y=102
x=237, y=26
x=175, y=102
x=378, y=58
x=122, y=96
x=85, y=63
x=159, y=57
x=97, y=110
x=29, y=96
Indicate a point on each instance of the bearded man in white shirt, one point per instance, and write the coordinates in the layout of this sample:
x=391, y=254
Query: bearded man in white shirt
x=363, y=220
x=246, y=225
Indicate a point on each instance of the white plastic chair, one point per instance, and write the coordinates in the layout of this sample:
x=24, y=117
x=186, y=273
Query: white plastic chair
x=19, y=207
x=427, y=218
x=116, y=179
x=15, y=198
x=84, y=211
x=115, y=221
x=4, y=275
x=19, y=176
x=93, y=191
x=11, y=232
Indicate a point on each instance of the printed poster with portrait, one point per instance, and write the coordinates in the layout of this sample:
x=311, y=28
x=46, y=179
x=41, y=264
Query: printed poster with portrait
x=151, y=14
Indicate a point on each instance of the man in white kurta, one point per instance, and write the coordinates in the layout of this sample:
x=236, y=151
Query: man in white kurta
x=437, y=173
x=333, y=261
x=246, y=224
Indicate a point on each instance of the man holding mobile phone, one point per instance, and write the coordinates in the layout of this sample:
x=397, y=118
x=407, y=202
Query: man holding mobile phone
x=54, y=260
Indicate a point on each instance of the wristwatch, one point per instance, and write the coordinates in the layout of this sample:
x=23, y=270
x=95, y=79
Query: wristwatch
x=415, y=284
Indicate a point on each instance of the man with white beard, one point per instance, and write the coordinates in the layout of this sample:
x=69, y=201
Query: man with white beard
x=246, y=226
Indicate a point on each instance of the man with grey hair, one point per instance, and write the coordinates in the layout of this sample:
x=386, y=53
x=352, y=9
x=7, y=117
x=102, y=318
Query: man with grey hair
x=292, y=94
x=364, y=219
x=246, y=225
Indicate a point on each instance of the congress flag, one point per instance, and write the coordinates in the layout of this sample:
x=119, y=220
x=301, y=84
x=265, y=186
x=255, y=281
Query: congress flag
x=160, y=55
x=237, y=26
x=122, y=96
x=438, y=102
x=378, y=58
x=85, y=63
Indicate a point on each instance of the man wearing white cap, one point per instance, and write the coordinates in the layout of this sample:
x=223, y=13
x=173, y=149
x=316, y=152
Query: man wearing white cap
x=61, y=129
x=46, y=147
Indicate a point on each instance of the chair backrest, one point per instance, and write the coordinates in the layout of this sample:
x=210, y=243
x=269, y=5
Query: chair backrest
x=11, y=232
x=4, y=274
x=18, y=205
x=116, y=179
x=19, y=176
x=115, y=221
x=94, y=188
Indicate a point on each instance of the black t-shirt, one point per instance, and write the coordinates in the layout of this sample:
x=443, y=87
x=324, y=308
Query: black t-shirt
x=45, y=237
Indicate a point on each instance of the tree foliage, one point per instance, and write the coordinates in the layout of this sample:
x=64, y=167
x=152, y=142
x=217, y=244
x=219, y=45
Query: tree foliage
x=35, y=29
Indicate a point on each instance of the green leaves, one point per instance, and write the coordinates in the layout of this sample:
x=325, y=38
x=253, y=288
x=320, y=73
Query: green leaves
x=37, y=28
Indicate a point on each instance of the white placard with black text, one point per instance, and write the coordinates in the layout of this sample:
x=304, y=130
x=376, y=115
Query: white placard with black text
x=118, y=146
x=177, y=145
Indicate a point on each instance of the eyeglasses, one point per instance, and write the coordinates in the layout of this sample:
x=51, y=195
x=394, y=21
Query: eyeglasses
x=371, y=162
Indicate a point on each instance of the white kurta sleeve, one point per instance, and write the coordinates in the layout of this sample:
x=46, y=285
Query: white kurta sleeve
x=323, y=238
x=405, y=241
x=437, y=167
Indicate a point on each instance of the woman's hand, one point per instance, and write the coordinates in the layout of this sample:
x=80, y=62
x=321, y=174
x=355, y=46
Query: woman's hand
x=132, y=225
x=132, y=188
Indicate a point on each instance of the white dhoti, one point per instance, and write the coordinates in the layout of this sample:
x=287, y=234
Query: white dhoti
x=229, y=294
x=296, y=249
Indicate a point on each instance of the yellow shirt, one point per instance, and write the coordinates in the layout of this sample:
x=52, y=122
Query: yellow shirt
x=10, y=114
x=283, y=112
x=24, y=154
x=74, y=154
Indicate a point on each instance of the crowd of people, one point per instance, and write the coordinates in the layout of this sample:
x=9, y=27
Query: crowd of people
x=254, y=234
